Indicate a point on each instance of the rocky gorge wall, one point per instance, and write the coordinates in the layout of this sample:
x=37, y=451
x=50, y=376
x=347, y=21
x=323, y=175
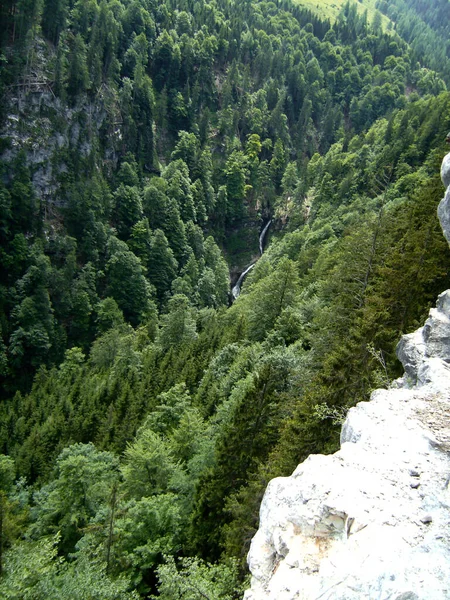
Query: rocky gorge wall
x=51, y=132
x=372, y=520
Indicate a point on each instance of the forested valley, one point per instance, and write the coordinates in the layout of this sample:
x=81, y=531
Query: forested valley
x=144, y=147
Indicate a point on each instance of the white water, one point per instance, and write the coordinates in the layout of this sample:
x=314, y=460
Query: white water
x=262, y=236
x=237, y=288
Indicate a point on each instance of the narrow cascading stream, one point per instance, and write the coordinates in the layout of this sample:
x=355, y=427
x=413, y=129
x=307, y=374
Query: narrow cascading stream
x=263, y=236
x=237, y=287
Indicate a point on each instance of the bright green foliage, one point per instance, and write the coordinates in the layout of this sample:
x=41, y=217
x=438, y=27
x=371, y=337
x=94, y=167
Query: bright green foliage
x=148, y=142
x=150, y=528
x=187, y=149
x=148, y=466
x=171, y=407
x=281, y=288
x=7, y=473
x=82, y=482
x=178, y=325
x=109, y=315
x=188, y=440
x=179, y=188
x=29, y=568
x=35, y=572
x=196, y=580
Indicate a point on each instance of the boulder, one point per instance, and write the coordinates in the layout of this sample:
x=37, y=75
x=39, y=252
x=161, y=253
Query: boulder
x=411, y=353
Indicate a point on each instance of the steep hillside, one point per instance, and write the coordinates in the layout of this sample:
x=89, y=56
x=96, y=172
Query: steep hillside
x=425, y=26
x=371, y=520
x=332, y=9
x=144, y=146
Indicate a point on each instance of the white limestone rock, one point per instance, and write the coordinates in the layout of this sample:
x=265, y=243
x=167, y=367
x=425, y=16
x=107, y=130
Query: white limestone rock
x=445, y=170
x=436, y=332
x=411, y=352
x=444, y=205
x=372, y=520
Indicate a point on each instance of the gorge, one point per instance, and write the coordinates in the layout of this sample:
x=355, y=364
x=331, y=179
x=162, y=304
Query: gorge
x=144, y=149
x=236, y=290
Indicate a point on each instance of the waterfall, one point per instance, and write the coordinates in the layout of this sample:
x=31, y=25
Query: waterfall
x=262, y=236
x=237, y=288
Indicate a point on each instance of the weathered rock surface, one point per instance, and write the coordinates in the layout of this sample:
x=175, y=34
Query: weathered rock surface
x=444, y=205
x=445, y=170
x=372, y=520
x=50, y=133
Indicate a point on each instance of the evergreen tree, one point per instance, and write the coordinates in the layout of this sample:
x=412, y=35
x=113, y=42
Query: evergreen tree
x=162, y=265
x=77, y=71
x=126, y=282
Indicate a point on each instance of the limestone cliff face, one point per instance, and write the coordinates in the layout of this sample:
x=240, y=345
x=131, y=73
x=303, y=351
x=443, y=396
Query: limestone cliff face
x=371, y=521
x=50, y=132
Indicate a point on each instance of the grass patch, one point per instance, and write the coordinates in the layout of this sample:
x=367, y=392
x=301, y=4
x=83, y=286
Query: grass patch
x=329, y=9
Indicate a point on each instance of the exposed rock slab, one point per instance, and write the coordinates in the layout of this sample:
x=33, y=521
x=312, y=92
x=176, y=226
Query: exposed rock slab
x=371, y=521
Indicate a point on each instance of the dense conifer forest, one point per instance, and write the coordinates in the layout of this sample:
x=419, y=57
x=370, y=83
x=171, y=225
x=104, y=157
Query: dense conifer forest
x=144, y=146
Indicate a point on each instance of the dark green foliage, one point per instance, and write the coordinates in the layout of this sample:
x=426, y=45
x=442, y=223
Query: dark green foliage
x=127, y=209
x=145, y=414
x=162, y=265
x=33, y=324
x=126, y=282
x=143, y=118
x=77, y=71
x=21, y=205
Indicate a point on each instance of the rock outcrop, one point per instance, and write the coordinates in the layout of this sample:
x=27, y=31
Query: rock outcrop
x=50, y=132
x=372, y=520
x=444, y=205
